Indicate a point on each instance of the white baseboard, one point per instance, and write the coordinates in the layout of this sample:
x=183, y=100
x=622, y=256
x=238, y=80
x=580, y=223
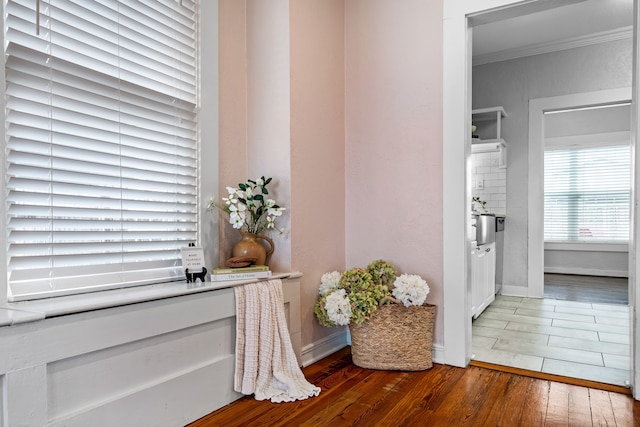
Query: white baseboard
x=437, y=354
x=587, y=271
x=514, y=291
x=320, y=349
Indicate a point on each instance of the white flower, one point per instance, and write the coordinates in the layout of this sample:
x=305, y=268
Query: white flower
x=271, y=222
x=237, y=222
x=338, y=307
x=275, y=211
x=212, y=203
x=329, y=281
x=260, y=182
x=237, y=215
x=411, y=289
x=269, y=203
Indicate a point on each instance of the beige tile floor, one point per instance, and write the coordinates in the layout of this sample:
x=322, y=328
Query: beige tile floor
x=574, y=339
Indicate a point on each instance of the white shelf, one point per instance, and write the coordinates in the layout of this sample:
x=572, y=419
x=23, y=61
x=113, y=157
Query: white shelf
x=492, y=146
x=491, y=113
x=485, y=145
x=494, y=114
x=497, y=144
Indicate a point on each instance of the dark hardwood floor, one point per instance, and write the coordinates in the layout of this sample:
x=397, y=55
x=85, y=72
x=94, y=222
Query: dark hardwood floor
x=594, y=289
x=440, y=396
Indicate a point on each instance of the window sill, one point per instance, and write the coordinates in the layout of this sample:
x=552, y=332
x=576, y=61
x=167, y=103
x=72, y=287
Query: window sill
x=587, y=247
x=29, y=311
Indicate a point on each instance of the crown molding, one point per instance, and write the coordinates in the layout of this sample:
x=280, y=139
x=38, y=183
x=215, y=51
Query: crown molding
x=554, y=46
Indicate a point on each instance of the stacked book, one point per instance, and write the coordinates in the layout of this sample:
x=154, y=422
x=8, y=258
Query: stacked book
x=240, y=273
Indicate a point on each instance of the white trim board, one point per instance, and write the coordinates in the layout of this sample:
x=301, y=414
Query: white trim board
x=587, y=271
x=555, y=46
x=324, y=347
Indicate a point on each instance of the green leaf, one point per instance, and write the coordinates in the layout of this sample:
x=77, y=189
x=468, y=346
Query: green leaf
x=266, y=181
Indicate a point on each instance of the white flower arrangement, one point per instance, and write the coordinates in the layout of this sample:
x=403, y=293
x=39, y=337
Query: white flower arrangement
x=329, y=281
x=410, y=289
x=338, y=307
x=248, y=207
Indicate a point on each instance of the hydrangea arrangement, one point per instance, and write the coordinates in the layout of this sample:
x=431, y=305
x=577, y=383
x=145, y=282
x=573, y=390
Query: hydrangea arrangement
x=354, y=295
x=351, y=296
x=249, y=208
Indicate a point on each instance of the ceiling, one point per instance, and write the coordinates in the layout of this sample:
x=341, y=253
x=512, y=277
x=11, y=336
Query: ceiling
x=579, y=23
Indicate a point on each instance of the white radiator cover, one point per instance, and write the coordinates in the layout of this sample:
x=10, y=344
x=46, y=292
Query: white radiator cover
x=158, y=363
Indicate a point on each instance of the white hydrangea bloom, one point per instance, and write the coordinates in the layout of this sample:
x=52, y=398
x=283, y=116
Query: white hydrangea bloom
x=411, y=289
x=329, y=281
x=338, y=307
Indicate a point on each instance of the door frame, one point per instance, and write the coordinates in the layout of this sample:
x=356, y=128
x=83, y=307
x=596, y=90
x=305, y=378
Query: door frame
x=535, y=223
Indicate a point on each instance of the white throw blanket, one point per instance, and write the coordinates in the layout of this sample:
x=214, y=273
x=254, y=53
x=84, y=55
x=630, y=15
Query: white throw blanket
x=266, y=365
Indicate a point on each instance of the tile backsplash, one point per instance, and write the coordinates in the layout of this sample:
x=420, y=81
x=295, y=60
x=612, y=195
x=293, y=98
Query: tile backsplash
x=489, y=181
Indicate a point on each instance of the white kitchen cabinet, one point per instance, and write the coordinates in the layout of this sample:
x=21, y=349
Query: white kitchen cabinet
x=483, y=278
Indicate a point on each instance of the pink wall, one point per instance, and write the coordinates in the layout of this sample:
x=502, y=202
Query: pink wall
x=357, y=146
x=317, y=149
x=394, y=138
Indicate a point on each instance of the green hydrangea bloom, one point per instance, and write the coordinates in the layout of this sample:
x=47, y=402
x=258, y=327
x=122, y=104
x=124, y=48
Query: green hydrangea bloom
x=382, y=272
x=364, y=293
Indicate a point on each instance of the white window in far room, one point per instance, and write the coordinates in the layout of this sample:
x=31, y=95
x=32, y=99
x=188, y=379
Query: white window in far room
x=587, y=194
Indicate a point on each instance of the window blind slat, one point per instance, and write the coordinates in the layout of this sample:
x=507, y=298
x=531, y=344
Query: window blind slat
x=101, y=143
x=587, y=194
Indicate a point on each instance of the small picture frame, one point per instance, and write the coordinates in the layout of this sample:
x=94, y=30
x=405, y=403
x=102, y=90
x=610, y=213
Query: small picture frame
x=193, y=259
x=193, y=263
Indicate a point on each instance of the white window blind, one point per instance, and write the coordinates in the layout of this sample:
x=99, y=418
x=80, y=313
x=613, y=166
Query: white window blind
x=101, y=143
x=587, y=194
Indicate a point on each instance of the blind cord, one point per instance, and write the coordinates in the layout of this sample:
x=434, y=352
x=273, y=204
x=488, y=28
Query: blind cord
x=37, y=17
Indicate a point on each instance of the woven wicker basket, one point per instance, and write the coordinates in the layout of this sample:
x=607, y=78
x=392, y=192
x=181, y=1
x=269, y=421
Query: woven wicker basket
x=395, y=338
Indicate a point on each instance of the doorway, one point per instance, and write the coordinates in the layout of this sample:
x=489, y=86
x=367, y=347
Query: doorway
x=583, y=340
x=457, y=74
